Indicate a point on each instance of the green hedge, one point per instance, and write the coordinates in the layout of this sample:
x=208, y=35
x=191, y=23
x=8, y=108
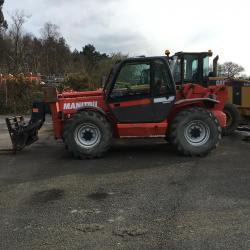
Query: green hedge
x=21, y=93
x=19, y=97
x=77, y=82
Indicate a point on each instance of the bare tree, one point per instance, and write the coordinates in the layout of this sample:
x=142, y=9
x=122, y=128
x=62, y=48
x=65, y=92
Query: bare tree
x=16, y=33
x=3, y=23
x=50, y=31
x=244, y=76
x=230, y=69
x=50, y=37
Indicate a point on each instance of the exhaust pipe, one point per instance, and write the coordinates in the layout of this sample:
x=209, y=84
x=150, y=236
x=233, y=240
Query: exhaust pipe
x=215, y=66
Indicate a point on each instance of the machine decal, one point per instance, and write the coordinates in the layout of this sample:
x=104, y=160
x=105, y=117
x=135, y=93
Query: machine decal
x=77, y=105
x=164, y=99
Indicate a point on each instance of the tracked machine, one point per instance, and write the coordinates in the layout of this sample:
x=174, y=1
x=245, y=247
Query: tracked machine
x=139, y=100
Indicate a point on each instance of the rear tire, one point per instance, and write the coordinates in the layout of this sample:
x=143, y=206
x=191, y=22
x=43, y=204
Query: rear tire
x=87, y=135
x=233, y=118
x=195, y=132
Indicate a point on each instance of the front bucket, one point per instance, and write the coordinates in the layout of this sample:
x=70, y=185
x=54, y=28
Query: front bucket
x=21, y=134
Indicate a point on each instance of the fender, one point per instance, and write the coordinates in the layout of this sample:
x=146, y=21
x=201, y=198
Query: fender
x=186, y=103
x=96, y=109
x=208, y=102
x=205, y=100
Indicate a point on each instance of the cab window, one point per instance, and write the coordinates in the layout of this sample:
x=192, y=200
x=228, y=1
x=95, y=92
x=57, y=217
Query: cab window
x=175, y=66
x=162, y=84
x=133, y=80
x=190, y=68
x=205, y=66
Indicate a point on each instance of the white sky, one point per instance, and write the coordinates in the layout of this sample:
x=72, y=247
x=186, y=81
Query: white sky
x=146, y=27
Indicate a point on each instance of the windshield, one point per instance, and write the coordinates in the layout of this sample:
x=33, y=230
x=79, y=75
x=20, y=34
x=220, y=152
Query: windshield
x=175, y=67
x=205, y=66
x=192, y=63
x=190, y=68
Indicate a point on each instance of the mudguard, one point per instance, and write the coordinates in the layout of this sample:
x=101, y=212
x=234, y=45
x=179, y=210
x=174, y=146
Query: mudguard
x=96, y=109
x=204, y=100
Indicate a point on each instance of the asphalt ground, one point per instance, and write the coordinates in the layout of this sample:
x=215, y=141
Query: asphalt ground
x=142, y=195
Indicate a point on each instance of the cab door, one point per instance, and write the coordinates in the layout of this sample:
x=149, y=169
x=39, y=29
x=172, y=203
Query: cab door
x=163, y=90
x=130, y=97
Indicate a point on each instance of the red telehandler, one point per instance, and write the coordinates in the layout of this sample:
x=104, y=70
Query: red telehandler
x=139, y=99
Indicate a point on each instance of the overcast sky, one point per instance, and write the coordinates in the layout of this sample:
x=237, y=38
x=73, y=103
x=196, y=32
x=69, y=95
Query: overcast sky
x=146, y=27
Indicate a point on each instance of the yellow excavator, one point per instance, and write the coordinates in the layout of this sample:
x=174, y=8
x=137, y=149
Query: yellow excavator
x=238, y=94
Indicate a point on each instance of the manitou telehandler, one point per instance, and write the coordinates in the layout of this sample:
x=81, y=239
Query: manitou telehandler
x=193, y=68
x=139, y=100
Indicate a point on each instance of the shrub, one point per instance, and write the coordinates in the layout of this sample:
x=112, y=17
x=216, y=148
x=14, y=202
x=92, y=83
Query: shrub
x=17, y=96
x=77, y=82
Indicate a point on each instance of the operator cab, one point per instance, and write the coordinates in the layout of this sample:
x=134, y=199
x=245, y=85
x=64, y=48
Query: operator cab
x=191, y=67
x=140, y=90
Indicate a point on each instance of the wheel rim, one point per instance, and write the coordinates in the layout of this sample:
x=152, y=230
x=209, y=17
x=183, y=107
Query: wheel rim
x=197, y=133
x=87, y=135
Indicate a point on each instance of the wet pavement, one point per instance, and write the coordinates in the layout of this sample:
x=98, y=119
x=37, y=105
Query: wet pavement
x=142, y=195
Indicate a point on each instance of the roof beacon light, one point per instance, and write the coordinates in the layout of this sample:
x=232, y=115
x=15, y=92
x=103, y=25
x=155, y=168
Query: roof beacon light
x=210, y=53
x=167, y=52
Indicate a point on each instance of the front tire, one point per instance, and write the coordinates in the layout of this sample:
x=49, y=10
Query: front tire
x=233, y=118
x=195, y=132
x=87, y=134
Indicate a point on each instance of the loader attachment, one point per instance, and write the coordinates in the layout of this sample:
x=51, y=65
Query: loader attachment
x=23, y=134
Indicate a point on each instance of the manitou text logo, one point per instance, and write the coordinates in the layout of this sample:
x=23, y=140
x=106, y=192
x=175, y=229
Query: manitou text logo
x=79, y=105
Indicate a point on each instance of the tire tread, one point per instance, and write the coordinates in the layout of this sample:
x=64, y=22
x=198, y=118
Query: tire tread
x=67, y=134
x=175, y=140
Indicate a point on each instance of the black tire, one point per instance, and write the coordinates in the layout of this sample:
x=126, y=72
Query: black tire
x=233, y=118
x=87, y=135
x=195, y=132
